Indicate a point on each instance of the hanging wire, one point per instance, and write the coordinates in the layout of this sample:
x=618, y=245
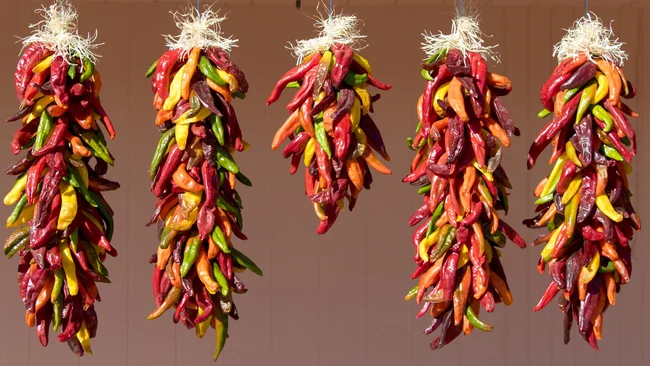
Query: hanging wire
x=587, y=8
x=460, y=11
x=198, y=6
x=331, y=9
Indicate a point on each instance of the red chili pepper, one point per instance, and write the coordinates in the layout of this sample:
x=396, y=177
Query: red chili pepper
x=448, y=276
x=56, y=139
x=427, y=99
x=58, y=78
x=163, y=70
x=378, y=84
x=342, y=139
x=294, y=74
x=169, y=167
x=32, y=55
x=343, y=55
x=551, y=88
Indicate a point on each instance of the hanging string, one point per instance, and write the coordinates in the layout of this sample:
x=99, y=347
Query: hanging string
x=198, y=6
x=331, y=9
x=587, y=8
x=460, y=11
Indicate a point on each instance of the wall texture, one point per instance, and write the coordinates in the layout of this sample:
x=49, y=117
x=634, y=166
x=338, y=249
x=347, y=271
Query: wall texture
x=338, y=299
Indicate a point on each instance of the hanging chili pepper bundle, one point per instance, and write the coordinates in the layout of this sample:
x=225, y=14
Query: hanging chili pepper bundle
x=457, y=167
x=329, y=124
x=62, y=224
x=194, y=177
x=585, y=200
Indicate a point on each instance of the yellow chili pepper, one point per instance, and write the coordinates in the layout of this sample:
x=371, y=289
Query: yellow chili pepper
x=362, y=62
x=483, y=171
x=180, y=223
x=202, y=328
x=603, y=204
x=627, y=168
x=16, y=191
x=310, y=149
x=426, y=243
x=183, y=120
x=553, y=178
x=341, y=204
x=26, y=215
x=39, y=107
x=319, y=211
x=571, y=214
x=365, y=97
x=43, y=65
x=571, y=154
x=181, y=133
x=463, y=258
x=68, y=206
x=589, y=272
x=355, y=114
x=361, y=136
x=83, y=172
x=326, y=59
x=84, y=338
x=548, y=249
x=574, y=186
x=175, y=90
x=603, y=87
x=68, y=267
x=190, y=202
x=233, y=85
x=440, y=95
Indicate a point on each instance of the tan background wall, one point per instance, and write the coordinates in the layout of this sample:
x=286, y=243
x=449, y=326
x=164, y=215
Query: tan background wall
x=338, y=299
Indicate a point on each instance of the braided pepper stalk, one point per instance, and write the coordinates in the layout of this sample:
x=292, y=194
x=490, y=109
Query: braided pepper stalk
x=329, y=125
x=62, y=224
x=463, y=126
x=194, y=176
x=585, y=200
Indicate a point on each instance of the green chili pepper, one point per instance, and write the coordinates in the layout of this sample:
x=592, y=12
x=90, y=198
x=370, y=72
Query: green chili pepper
x=543, y=113
x=161, y=150
x=239, y=95
x=93, y=259
x=166, y=237
x=58, y=285
x=72, y=71
x=44, y=129
x=217, y=128
x=569, y=94
x=20, y=244
x=226, y=206
x=29, y=144
x=293, y=85
x=321, y=136
x=476, y=322
x=74, y=240
x=243, y=179
x=611, y=152
x=609, y=268
x=74, y=178
x=152, y=69
x=96, y=144
x=245, y=262
x=497, y=238
x=409, y=143
x=238, y=199
x=220, y=239
x=412, y=292
x=425, y=189
x=437, y=55
x=555, y=223
x=503, y=197
x=600, y=113
x=545, y=199
x=299, y=130
x=626, y=141
x=89, y=69
x=58, y=312
x=586, y=98
x=485, y=192
x=436, y=215
x=226, y=160
x=447, y=236
x=221, y=279
x=18, y=209
x=222, y=176
x=105, y=214
x=195, y=106
x=426, y=75
x=221, y=328
x=210, y=72
x=191, y=252
x=353, y=79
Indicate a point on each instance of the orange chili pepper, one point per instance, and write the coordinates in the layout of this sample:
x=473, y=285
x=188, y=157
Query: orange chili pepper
x=496, y=129
x=418, y=107
x=582, y=290
x=188, y=72
x=232, y=180
x=213, y=249
x=224, y=91
x=185, y=181
x=164, y=255
x=30, y=319
x=176, y=280
x=372, y=160
x=460, y=296
x=540, y=187
x=204, y=272
x=286, y=129
x=548, y=216
x=78, y=147
x=163, y=116
x=610, y=283
x=158, y=102
x=418, y=158
x=438, y=308
x=428, y=278
x=498, y=81
x=456, y=99
x=441, y=124
x=45, y=294
x=442, y=220
x=96, y=82
x=613, y=78
x=502, y=288
x=306, y=120
x=56, y=110
x=353, y=168
x=557, y=109
x=224, y=223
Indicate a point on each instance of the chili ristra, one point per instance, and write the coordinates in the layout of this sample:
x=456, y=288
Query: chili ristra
x=585, y=201
x=330, y=118
x=464, y=125
x=62, y=226
x=194, y=176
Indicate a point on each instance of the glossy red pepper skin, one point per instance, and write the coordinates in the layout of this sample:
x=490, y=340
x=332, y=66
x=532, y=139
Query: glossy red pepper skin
x=23, y=74
x=163, y=70
x=343, y=55
x=58, y=79
x=171, y=164
x=294, y=74
x=220, y=58
x=427, y=99
x=551, y=88
x=97, y=106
